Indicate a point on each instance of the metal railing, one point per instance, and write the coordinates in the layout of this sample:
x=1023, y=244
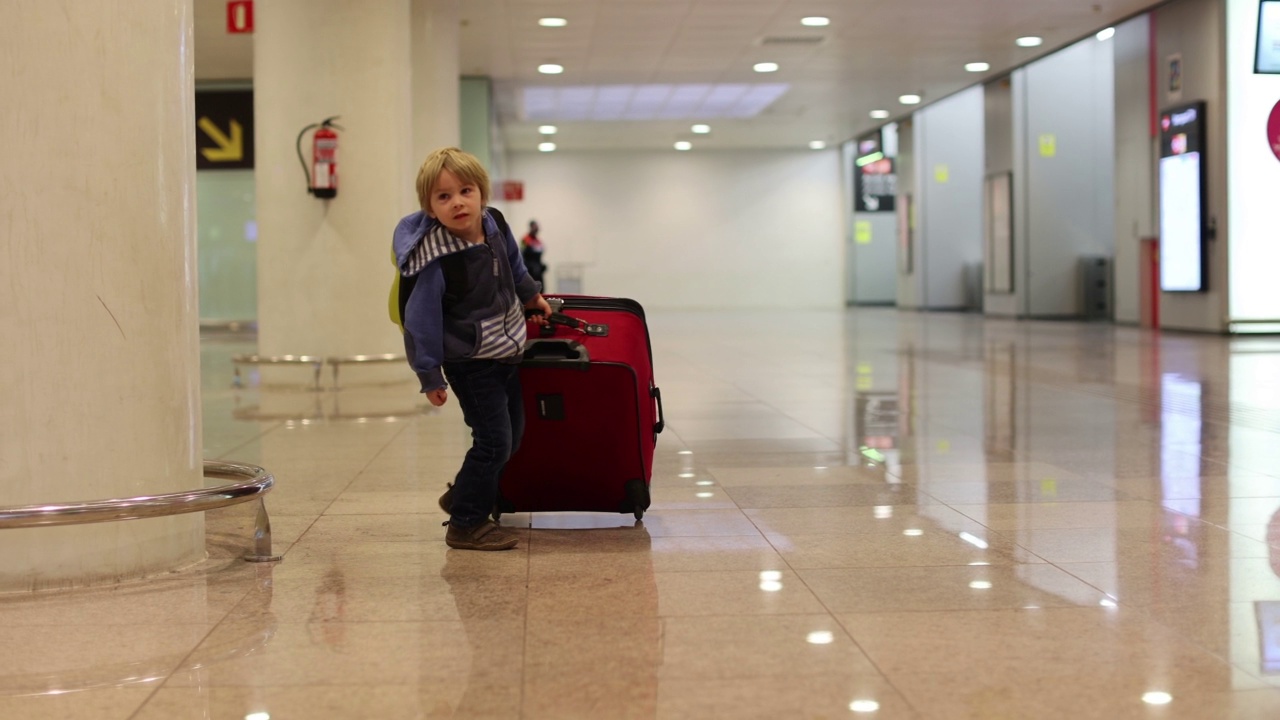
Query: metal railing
x=257, y=482
x=336, y=362
x=316, y=362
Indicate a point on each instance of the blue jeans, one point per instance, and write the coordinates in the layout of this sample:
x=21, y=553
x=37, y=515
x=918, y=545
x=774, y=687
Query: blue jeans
x=489, y=393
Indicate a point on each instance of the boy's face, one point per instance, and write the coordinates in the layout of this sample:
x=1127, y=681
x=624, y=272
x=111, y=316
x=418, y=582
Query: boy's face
x=457, y=205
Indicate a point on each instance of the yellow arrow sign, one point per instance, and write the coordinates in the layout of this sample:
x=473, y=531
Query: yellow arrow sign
x=229, y=149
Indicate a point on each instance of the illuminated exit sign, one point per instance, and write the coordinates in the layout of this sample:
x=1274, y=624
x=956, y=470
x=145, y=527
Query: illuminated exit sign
x=240, y=16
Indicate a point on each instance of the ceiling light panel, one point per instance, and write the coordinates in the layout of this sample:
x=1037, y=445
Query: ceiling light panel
x=647, y=102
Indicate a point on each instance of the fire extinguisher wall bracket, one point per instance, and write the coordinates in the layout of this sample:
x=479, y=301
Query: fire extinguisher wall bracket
x=322, y=176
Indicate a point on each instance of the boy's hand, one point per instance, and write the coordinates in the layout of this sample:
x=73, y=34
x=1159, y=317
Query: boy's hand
x=539, y=304
x=438, y=397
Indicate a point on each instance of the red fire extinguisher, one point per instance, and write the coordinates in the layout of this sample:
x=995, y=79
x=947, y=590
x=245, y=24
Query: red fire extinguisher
x=322, y=176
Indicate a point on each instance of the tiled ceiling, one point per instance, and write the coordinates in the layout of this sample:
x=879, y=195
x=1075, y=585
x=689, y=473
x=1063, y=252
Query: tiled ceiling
x=872, y=52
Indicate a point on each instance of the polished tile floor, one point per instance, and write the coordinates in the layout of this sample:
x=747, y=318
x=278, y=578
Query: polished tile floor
x=864, y=514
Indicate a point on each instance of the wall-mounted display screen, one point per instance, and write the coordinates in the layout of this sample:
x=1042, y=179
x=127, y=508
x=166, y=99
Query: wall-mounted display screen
x=875, y=177
x=1182, y=192
x=1267, y=58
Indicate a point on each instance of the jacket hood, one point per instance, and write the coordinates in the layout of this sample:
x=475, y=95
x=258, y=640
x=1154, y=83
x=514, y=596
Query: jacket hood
x=420, y=239
x=409, y=232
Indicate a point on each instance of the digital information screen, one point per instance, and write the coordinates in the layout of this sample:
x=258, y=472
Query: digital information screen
x=1267, y=59
x=1182, y=173
x=875, y=177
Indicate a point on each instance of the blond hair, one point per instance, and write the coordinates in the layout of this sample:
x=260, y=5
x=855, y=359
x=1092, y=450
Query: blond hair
x=462, y=164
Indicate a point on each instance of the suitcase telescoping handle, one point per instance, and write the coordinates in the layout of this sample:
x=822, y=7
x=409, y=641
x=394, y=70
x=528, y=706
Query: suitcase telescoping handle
x=556, y=353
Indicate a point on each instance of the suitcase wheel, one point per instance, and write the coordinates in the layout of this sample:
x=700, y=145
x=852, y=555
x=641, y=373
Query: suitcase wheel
x=637, y=497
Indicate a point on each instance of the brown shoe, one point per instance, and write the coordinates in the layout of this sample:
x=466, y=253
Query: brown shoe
x=485, y=536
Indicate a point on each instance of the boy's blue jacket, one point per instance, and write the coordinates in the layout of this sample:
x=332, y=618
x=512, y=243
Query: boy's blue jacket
x=479, y=315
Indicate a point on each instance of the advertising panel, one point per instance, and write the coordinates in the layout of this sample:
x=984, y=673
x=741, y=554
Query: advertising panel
x=874, y=176
x=1182, y=199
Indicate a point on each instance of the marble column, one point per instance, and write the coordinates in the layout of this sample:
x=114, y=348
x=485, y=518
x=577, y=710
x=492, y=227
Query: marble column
x=390, y=70
x=99, y=364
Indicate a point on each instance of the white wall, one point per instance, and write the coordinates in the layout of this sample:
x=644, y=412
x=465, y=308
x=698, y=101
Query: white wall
x=1070, y=181
x=949, y=154
x=747, y=229
x=1254, y=177
x=1134, y=160
x=874, y=281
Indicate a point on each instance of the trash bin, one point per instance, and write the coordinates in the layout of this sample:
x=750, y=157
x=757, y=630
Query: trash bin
x=973, y=287
x=569, y=278
x=1095, y=289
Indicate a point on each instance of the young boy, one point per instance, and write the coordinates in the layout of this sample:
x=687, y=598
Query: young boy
x=463, y=289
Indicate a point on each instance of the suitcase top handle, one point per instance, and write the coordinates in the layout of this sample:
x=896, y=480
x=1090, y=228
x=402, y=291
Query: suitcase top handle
x=556, y=318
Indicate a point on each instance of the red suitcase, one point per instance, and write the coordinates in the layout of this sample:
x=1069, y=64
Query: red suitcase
x=592, y=411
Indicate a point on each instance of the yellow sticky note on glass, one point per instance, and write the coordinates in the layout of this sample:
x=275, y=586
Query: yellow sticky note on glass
x=864, y=368
x=1048, y=145
x=942, y=173
x=862, y=232
x=863, y=383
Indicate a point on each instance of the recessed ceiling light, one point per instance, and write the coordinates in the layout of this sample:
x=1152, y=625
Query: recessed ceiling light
x=684, y=145
x=1107, y=34
x=1030, y=41
x=864, y=706
x=546, y=146
x=695, y=102
x=547, y=129
x=552, y=22
x=978, y=67
x=910, y=99
x=879, y=114
x=550, y=69
x=701, y=129
x=815, y=21
x=765, y=67
x=817, y=145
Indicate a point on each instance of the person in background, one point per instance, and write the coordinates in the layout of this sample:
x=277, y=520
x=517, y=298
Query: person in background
x=531, y=252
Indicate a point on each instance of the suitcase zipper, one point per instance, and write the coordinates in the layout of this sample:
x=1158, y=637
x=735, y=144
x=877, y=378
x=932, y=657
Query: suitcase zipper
x=623, y=304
